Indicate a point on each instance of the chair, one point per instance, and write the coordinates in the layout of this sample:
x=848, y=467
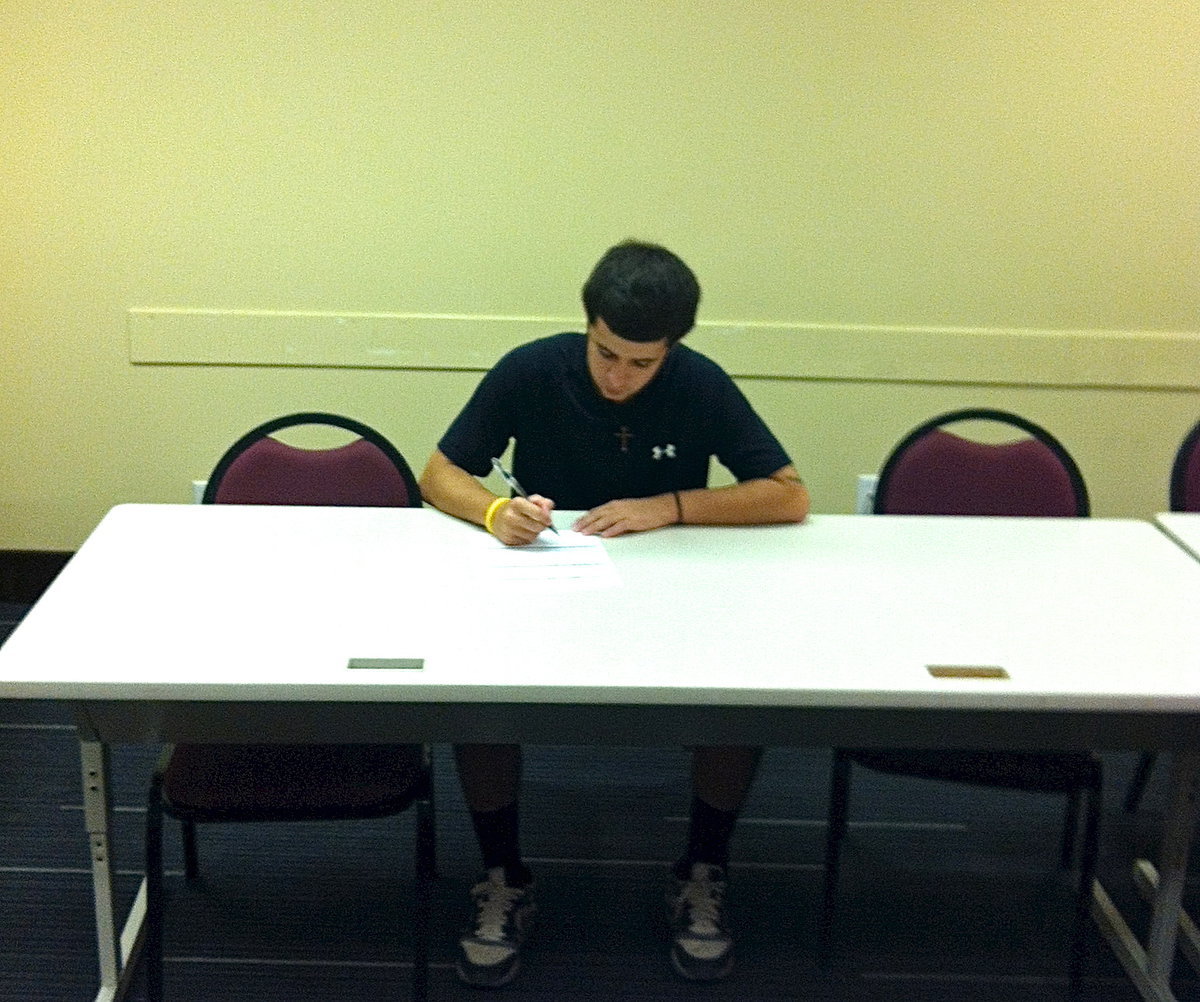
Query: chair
x=1184, y=496
x=201, y=784
x=934, y=471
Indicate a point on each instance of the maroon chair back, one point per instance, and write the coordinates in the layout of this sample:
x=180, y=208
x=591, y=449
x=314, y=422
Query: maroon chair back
x=933, y=471
x=260, y=469
x=1185, y=474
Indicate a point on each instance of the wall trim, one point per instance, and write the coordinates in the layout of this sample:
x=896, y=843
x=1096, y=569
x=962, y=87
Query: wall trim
x=801, y=351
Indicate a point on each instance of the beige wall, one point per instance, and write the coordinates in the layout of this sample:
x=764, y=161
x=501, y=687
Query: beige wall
x=1023, y=173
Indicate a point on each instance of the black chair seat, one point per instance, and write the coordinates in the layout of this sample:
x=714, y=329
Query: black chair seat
x=291, y=782
x=1045, y=772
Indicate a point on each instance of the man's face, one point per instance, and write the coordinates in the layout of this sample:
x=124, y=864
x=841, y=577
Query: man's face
x=621, y=369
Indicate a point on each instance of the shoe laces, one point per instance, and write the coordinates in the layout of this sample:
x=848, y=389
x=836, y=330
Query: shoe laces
x=700, y=898
x=494, y=903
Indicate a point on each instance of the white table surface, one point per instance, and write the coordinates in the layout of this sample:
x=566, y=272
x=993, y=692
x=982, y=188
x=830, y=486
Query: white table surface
x=182, y=622
x=256, y=604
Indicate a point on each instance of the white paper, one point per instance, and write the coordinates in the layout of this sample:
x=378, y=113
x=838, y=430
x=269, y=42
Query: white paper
x=567, y=560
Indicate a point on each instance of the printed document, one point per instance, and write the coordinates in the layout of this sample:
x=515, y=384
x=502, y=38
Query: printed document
x=566, y=560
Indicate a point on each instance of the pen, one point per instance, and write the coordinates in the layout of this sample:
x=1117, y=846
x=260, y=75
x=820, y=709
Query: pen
x=515, y=487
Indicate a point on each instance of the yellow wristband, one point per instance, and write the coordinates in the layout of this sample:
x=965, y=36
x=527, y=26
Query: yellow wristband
x=490, y=515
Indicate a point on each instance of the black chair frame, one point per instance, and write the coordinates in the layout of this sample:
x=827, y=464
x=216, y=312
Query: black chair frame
x=418, y=794
x=1082, y=783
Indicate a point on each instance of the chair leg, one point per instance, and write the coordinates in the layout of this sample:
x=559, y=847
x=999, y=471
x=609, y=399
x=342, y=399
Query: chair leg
x=1137, y=785
x=432, y=815
x=839, y=797
x=1088, y=861
x=1070, y=831
x=152, y=947
x=191, y=855
x=425, y=862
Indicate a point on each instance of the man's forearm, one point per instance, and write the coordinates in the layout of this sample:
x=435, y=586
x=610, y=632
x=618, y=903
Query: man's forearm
x=771, y=500
x=453, y=490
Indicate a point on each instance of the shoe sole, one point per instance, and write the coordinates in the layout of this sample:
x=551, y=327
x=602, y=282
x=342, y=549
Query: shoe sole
x=718, y=975
x=474, y=982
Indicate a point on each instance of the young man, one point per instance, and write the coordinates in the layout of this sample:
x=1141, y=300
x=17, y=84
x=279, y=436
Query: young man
x=619, y=423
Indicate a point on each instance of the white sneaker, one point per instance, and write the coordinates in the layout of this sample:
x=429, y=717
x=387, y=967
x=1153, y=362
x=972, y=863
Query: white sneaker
x=489, y=951
x=701, y=946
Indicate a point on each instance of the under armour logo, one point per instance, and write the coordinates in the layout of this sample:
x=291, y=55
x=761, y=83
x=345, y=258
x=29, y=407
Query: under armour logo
x=661, y=451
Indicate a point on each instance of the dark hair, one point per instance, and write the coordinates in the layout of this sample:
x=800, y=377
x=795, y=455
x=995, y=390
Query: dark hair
x=642, y=292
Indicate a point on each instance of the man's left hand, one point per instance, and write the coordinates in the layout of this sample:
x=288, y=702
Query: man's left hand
x=615, y=518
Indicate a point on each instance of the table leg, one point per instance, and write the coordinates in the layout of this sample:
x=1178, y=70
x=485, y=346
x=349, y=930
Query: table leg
x=1172, y=864
x=1145, y=877
x=97, y=813
x=1150, y=967
x=117, y=952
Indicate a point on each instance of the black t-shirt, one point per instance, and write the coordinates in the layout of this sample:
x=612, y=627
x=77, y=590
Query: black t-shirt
x=581, y=450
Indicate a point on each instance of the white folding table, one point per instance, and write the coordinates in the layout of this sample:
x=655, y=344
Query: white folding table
x=1180, y=827
x=224, y=623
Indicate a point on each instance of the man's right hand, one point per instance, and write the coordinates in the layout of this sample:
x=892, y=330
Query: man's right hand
x=522, y=520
